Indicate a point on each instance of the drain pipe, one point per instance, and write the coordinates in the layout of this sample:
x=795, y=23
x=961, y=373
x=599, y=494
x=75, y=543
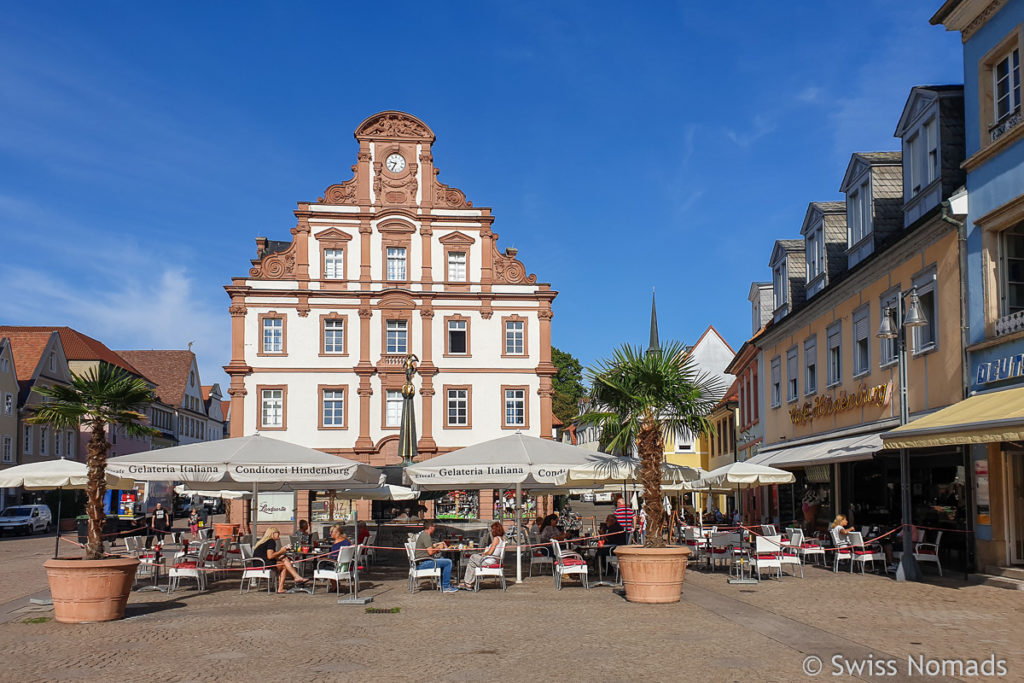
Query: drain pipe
x=961, y=231
x=961, y=228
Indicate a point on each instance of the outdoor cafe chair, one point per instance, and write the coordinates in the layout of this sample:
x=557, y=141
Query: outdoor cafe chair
x=367, y=553
x=416, y=573
x=790, y=555
x=723, y=548
x=336, y=570
x=768, y=530
x=864, y=553
x=843, y=551
x=540, y=555
x=254, y=570
x=767, y=553
x=697, y=544
x=806, y=547
x=929, y=552
x=190, y=567
x=493, y=566
x=568, y=563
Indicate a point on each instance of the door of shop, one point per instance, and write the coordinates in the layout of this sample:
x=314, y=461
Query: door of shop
x=1015, y=496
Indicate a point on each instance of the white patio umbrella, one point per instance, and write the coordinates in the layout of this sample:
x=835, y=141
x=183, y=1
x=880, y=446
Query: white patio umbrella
x=56, y=474
x=621, y=469
x=737, y=474
x=515, y=461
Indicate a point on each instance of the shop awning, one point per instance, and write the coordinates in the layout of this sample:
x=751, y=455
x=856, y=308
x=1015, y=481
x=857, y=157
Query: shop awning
x=985, y=418
x=841, y=449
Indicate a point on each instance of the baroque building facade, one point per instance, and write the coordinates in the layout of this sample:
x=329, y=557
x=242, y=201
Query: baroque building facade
x=388, y=263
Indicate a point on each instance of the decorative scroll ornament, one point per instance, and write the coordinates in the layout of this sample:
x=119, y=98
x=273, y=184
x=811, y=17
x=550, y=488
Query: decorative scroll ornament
x=394, y=125
x=340, y=193
x=276, y=266
x=508, y=269
x=449, y=197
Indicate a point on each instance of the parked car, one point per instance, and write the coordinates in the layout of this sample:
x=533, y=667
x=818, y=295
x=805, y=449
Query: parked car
x=587, y=497
x=604, y=497
x=26, y=519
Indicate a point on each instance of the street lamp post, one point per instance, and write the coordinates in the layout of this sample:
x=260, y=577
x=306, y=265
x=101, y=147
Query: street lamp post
x=897, y=329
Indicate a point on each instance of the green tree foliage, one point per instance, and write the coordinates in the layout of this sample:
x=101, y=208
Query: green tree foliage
x=567, y=385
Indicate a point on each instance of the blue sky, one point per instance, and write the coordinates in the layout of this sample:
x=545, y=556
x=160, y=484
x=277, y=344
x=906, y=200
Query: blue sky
x=622, y=147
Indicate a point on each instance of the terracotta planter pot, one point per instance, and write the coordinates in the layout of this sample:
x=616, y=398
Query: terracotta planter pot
x=90, y=590
x=652, y=575
x=225, y=530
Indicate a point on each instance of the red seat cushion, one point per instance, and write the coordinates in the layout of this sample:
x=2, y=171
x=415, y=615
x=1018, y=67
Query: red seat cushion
x=538, y=553
x=185, y=565
x=572, y=562
x=718, y=550
x=926, y=551
x=863, y=552
x=767, y=557
x=214, y=558
x=234, y=552
x=809, y=545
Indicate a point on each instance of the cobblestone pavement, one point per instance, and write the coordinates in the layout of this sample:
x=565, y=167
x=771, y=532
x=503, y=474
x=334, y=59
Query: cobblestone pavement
x=719, y=632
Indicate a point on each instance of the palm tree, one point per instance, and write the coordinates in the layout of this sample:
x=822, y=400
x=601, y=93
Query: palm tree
x=640, y=397
x=101, y=396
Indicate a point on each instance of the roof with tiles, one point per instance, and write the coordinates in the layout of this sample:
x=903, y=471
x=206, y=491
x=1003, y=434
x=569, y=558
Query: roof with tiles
x=167, y=368
x=77, y=346
x=27, y=347
x=830, y=206
x=881, y=157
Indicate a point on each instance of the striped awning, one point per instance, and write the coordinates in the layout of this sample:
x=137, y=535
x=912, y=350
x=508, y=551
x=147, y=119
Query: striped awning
x=985, y=418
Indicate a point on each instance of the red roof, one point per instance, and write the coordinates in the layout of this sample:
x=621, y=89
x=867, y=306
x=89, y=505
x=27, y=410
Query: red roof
x=168, y=369
x=733, y=394
x=205, y=390
x=77, y=346
x=27, y=347
x=225, y=409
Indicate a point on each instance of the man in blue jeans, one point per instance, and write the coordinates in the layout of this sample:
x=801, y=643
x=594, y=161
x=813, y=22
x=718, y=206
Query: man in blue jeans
x=426, y=550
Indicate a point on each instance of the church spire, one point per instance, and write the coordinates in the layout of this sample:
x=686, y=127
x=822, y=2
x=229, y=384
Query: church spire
x=654, y=346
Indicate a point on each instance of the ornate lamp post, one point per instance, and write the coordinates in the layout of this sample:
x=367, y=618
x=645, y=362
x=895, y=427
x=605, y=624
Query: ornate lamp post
x=896, y=328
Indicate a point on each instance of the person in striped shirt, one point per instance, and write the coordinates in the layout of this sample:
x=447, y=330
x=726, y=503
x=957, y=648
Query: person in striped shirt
x=624, y=515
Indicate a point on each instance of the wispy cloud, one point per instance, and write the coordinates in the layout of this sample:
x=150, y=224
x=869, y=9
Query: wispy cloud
x=812, y=94
x=760, y=125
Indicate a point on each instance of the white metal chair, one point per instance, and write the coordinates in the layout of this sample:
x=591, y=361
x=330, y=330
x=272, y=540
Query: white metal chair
x=540, y=556
x=843, y=551
x=493, y=566
x=369, y=554
x=806, y=547
x=416, y=573
x=189, y=567
x=723, y=547
x=790, y=555
x=336, y=570
x=568, y=563
x=929, y=552
x=696, y=543
x=768, y=530
x=864, y=553
x=767, y=551
x=254, y=570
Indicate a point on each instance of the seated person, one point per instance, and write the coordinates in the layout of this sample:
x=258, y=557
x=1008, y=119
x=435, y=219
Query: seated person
x=492, y=555
x=549, y=530
x=403, y=517
x=338, y=541
x=302, y=536
x=843, y=526
x=413, y=514
x=613, y=535
x=427, y=556
x=364, y=533
x=273, y=558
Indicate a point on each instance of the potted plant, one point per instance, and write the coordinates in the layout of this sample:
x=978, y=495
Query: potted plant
x=94, y=588
x=637, y=398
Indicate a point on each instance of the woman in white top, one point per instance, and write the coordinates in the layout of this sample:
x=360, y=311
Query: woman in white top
x=492, y=555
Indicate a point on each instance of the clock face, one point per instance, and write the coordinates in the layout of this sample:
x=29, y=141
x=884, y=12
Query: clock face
x=395, y=163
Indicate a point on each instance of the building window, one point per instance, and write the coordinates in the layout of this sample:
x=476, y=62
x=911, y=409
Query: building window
x=272, y=408
x=457, y=406
x=43, y=435
x=334, y=264
x=792, y=373
x=396, y=263
x=56, y=444
x=8, y=450
x=334, y=335
x=515, y=406
x=53, y=362
x=71, y=445
x=781, y=285
x=1012, y=257
x=1006, y=86
x=925, y=337
x=458, y=337
x=8, y=404
x=273, y=334
x=923, y=157
x=515, y=338
x=456, y=266
x=393, y=408
x=26, y=440
x=776, y=382
x=397, y=336
x=835, y=353
x=332, y=411
x=815, y=252
x=858, y=212
x=811, y=365
x=861, y=341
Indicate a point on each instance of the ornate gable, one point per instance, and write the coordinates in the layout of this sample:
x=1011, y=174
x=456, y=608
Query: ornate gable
x=457, y=238
x=334, y=235
x=279, y=265
x=394, y=125
x=919, y=102
x=507, y=269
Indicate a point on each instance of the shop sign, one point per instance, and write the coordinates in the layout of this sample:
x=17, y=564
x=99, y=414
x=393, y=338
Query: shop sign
x=1007, y=367
x=276, y=506
x=823, y=406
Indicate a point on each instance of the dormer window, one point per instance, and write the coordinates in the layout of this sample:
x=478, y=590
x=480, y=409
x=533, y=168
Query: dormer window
x=815, y=252
x=781, y=285
x=923, y=157
x=858, y=212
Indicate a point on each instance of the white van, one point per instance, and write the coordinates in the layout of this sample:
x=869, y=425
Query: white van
x=26, y=519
